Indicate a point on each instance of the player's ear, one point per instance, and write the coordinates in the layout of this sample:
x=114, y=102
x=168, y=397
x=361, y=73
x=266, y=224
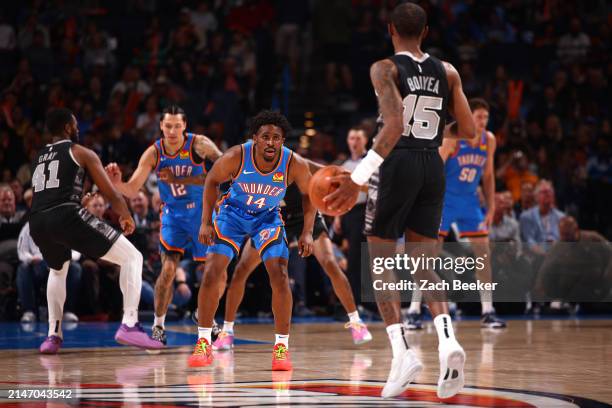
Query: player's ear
x=425, y=32
x=390, y=29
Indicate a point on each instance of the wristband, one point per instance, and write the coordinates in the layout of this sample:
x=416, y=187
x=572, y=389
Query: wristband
x=179, y=282
x=366, y=167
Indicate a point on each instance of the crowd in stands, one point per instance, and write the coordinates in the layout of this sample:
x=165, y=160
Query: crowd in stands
x=544, y=67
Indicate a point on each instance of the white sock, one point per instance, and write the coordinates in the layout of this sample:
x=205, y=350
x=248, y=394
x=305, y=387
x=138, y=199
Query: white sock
x=228, y=327
x=282, y=338
x=205, y=333
x=397, y=339
x=159, y=321
x=415, y=305
x=486, y=301
x=56, y=296
x=444, y=328
x=124, y=254
x=354, y=317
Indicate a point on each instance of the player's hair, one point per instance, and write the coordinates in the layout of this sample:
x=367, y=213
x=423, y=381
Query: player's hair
x=409, y=20
x=174, y=110
x=57, y=119
x=478, y=103
x=268, y=117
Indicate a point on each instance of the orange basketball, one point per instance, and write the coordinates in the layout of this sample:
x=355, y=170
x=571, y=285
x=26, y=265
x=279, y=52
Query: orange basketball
x=320, y=187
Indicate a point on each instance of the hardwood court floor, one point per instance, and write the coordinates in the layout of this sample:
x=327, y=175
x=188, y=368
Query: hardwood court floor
x=531, y=363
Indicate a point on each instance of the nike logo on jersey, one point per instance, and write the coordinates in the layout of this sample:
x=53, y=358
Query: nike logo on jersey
x=248, y=172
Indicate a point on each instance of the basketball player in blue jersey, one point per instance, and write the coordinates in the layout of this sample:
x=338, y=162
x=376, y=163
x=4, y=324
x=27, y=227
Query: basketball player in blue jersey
x=177, y=157
x=260, y=171
x=467, y=162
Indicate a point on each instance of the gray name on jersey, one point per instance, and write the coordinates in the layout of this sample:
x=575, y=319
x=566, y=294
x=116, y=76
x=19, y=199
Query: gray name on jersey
x=423, y=83
x=47, y=157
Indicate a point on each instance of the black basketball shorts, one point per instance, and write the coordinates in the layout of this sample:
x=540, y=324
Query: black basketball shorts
x=406, y=193
x=69, y=226
x=294, y=227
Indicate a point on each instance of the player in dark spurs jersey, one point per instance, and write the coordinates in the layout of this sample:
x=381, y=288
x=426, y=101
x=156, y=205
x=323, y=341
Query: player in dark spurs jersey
x=260, y=171
x=178, y=154
x=58, y=224
x=323, y=251
x=406, y=182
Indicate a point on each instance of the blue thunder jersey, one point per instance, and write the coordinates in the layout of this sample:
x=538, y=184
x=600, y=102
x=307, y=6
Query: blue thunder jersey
x=464, y=168
x=256, y=192
x=182, y=164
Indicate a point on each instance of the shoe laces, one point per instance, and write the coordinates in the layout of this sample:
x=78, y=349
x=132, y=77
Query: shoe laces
x=280, y=351
x=202, y=347
x=355, y=325
x=223, y=334
x=54, y=339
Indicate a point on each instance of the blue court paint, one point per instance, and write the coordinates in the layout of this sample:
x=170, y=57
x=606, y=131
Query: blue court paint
x=30, y=336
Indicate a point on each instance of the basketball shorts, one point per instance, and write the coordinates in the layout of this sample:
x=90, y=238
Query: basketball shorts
x=69, y=226
x=466, y=213
x=233, y=226
x=406, y=193
x=294, y=224
x=179, y=232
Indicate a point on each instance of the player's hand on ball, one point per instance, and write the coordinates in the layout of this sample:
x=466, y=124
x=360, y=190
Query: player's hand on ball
x=127, y=224
x=207, y=234
x=166, y=175
x=305, y=245
x=344, y=197
x=114, y=172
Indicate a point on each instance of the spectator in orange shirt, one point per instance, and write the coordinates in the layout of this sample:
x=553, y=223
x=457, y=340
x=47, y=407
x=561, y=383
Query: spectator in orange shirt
x=515, y=172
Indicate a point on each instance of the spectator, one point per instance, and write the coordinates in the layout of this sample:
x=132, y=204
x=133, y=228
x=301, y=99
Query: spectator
x=504, y=228
x=11, y=222
x=527, y=199
x=515, y=171
x=32, y=276
x=574, y=45
x=540, y=224
x=576, y=272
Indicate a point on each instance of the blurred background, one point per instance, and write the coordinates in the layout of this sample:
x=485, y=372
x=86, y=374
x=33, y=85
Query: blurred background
x=543, y=65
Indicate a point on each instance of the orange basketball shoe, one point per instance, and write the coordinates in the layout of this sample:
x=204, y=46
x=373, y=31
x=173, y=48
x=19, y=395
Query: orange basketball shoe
x=202, y=354
x=280, y=358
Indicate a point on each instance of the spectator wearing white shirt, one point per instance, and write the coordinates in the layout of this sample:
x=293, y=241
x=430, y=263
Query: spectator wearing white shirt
x=32, y=274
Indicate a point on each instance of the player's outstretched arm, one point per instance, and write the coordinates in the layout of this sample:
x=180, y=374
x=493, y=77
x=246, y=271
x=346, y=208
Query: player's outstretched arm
x=146, y=164
x=459, y=107
x=299, y=173
x=91, y=162
x=223, y=170
x=384, y=79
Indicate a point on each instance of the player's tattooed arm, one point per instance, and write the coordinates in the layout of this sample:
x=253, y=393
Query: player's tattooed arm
x=146, y=164
x=299, y=173
x=384, y=79
x=206, y=148
x=458, y=107
x=223, y=170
